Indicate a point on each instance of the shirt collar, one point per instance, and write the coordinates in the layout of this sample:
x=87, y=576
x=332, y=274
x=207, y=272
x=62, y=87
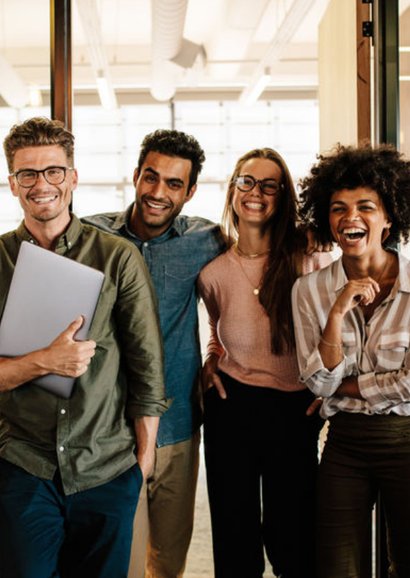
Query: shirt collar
x=404, y=274
x=122, y=221
x=340, y=275
x=64, y=242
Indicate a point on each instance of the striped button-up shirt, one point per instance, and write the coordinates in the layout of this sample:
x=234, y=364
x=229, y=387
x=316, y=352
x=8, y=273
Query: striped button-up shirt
x=376, y=351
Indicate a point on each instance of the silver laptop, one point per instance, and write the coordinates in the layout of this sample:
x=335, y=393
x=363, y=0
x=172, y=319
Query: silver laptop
x=47, y=293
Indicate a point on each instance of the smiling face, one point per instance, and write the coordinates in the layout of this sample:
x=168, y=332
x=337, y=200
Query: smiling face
x=358, y=220
x=161, y=191
x=255, y=207
x=44, y=203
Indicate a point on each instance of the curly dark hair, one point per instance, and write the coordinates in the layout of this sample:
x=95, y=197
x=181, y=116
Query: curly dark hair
x=174, y=143
x=381, y=168
x=38, y=131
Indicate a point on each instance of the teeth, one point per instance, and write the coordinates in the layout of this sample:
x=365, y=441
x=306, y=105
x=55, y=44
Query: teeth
x=41, y=200
x=254, y=205
x=156, y=205
x=353, y=233
x=352, y=230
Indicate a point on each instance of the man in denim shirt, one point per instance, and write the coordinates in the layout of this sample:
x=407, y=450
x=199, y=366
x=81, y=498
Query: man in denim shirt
x=175, y=248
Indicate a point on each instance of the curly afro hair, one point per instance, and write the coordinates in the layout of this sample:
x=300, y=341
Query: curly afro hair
x=381, y=169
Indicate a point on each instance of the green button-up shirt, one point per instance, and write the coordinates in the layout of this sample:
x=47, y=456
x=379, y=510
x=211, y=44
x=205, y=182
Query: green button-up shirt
x=90, y=438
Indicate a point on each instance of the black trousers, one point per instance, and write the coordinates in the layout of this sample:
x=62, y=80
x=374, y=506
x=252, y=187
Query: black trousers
x=261, y=454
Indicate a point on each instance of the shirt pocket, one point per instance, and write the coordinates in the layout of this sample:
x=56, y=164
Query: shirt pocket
x=392, y=348
x=180, y=282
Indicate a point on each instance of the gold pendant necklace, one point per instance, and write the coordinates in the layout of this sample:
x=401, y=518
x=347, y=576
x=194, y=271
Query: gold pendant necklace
x=255, y=290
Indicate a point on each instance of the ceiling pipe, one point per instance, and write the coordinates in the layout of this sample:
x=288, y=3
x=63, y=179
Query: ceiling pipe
x=168, y=21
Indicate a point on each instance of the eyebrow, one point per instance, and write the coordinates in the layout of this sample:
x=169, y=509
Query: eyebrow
x=150, y=170
x=41, y=170
x=255, y=179
x=167, y=179
x=360, y=201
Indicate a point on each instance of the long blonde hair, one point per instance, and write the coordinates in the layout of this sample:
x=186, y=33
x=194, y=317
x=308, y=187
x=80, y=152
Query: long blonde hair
x=286, y=246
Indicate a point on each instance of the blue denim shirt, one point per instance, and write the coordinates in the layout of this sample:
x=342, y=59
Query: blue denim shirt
x=174, y=260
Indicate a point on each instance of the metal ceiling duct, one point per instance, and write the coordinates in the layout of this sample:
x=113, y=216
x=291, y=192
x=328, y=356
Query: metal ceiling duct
x=168, y=21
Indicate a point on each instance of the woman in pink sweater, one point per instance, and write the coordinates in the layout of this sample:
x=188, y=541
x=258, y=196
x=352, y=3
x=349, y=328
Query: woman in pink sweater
x=261, y=442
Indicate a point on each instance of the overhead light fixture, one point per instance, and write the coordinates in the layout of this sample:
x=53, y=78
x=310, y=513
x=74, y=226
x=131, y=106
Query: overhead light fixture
x=253, y=92
x=105, y=92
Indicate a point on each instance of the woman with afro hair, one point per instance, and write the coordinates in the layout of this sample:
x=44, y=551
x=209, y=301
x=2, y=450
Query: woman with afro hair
x=352, y=327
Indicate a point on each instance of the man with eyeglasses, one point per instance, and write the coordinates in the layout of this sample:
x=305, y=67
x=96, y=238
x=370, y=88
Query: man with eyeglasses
x=71, y=469
x=175, y=248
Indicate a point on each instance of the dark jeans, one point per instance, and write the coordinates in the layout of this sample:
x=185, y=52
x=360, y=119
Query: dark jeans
x=46, y=534
x=261, y=455
x=363, y=455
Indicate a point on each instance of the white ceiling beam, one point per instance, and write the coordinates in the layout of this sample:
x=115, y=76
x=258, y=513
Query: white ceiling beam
x=90, y=20
x=292, y=20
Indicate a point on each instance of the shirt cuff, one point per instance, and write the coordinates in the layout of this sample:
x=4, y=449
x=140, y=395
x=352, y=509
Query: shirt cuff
x=141, y=409
x=318, y=378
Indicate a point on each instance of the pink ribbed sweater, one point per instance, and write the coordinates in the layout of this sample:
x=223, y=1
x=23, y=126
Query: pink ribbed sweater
x=240, y=330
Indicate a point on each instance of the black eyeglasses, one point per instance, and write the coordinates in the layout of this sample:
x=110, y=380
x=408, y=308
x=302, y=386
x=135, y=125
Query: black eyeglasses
x=28, y=177
x=246, y=183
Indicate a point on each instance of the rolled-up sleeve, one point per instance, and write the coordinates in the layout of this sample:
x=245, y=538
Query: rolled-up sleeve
x=320, y=380
x=140, y=337
x=385, y=390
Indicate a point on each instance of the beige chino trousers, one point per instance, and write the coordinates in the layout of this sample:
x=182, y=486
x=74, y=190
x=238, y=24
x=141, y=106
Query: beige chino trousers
x=163, y=522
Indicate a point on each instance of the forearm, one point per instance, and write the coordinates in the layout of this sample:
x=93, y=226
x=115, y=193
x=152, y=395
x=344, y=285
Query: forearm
x=330, y=345
x=18, y=370
x=146, y=429
x=214, y=347
x=349, y=388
